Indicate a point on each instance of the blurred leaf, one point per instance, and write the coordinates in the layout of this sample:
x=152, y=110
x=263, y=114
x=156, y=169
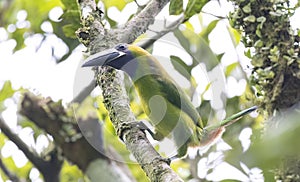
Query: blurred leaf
x=219, y=56
x=207, y=30
x=22, y=172
x=70, y=4
x=234, y=35
x=70, y=173
x=205, y=110
x=201, y=51
x=36, y=130
x=69, y=30
x=189, y=26
x=2, y=140
x=176, y=7
x=71, y=16
x=37, y=12
x=280, y=139
x=181, y=66
x=207, y=87
x=120, y=4
x=6, y=91
x=3, y=176
x=18, y=35
x=230, y=68
x=194, y=7
x=70, y=22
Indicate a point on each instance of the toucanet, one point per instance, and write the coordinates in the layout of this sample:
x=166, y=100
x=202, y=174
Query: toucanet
x=168, y=107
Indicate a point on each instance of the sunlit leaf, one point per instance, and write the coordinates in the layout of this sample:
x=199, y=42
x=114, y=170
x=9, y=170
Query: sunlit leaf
x=204, y=33
x=234, y=35
x=69, y=30
x=6, y=91
x=181, y=67
x=2, y=140
x=230, y=68
x=70, y=173
x=194, y=7
x=201, y=52
x=265, y=153
x=120, y=4
x=176, y=7
x=22, y=172
x=189, y=26
x=70, y=4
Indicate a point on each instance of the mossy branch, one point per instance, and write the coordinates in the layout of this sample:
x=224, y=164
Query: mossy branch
x=115, y=96
x=267, y=29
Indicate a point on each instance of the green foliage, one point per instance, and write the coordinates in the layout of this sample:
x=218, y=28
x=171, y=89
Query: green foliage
x=176, y=7
x=37, y=13
x=65, y=29
x=234, y=35
x=36, y=130
x=2, y=140
x=207, y=30
x=202, y=53
x=278, y=143
x=181, y=67
x=71, y=173
x=194, y=7
x=267, y=30
x=120, y=4
x=230, y=68
x=21, y=172
x=6, y=91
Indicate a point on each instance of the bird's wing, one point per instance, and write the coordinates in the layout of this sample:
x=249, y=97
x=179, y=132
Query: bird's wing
x=175, y=95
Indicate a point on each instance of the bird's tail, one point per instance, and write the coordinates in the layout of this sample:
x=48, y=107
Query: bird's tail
x=232, y=119
x=213, y=132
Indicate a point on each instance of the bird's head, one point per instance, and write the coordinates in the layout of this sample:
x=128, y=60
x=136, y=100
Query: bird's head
x=116, y=57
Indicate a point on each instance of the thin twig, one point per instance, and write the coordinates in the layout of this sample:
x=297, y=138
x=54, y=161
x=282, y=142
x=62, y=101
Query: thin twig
x=8, y=173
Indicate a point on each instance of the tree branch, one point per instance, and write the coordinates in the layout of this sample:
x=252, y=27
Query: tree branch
x=115, y=95
x=42, y=165
x=9, y=174
x=117, y=102
x=62, y=125
x=140, y=23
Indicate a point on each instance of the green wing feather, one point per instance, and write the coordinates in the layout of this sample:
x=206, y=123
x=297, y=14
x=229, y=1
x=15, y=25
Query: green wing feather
x=175, y=95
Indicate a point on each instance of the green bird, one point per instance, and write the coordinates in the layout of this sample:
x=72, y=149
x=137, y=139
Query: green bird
x=167, y=106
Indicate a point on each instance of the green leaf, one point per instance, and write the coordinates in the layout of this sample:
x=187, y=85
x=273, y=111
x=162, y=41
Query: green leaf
x=181, y=67
x=194, y=7
x=22, y=172
x=70, y=4
x=234, y=35
x=69, y=30
x=250, y=18
x=202, y=53
x=6, y=91
x=230, y=68
x=176, y=7
x=118, y=4
x=204, y=33
x=71, y=16
x=36, y=13
x=18, y=36
x=71, y=173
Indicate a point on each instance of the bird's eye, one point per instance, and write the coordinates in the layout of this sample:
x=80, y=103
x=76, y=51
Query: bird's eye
x=121, y=47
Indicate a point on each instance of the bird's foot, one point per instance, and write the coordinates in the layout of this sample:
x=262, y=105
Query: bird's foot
x=155, y=135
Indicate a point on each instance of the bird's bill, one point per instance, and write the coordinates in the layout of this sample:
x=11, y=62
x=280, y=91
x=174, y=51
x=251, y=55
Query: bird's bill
x=103, y=58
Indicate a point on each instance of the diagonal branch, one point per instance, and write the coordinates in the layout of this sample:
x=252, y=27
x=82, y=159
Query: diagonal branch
x=114, y=93
x=117, y=103
x=42, y=165
x=140, y=23
x=9, y=174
